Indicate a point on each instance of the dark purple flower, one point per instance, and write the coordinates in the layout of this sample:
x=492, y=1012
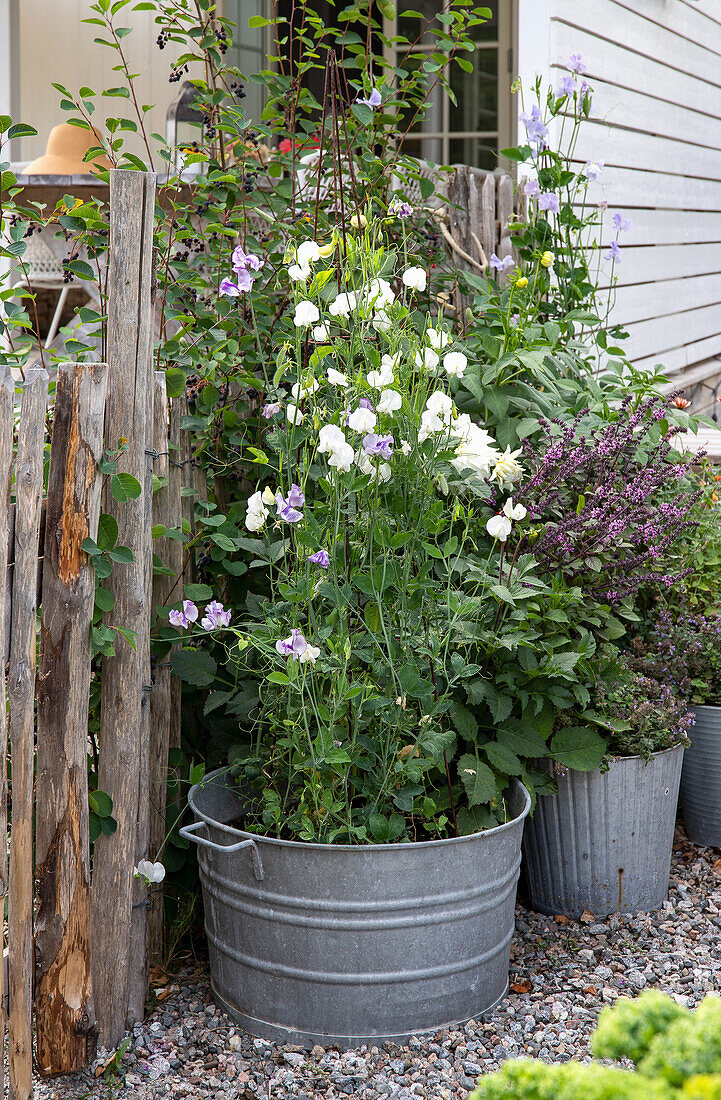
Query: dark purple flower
x=321, y=558
x=378, y=445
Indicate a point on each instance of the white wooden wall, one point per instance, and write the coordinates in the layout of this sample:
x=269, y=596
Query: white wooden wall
x=656, y=68
x=56, y=46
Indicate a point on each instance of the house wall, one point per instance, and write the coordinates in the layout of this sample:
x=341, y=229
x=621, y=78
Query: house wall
x=656, y=68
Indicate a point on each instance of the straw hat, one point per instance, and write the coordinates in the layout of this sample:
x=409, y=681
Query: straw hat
x=64, y=153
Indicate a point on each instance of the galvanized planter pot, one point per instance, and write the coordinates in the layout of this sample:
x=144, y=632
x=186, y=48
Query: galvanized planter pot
x=603, y=843
x=324, y=943
x=701, y=779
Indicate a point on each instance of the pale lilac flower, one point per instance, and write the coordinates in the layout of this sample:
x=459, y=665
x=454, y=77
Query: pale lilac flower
x=585, y=88
x=373, y=100
x=614, y=253
x=602, y=205
x=548, y=200
x=215, y=616
x=514, y=319
x=183, y=618
x=271, y=409
x=593, y=169
x=576, y=64
x=229, y=289
x=536, y=129
x=246, y=261
x=622, y=224
x=531, y=188
x=378, y=445
x=566, y=87
x=321, y=558
x=501, y=265
x=177, y=618
x=292, y=646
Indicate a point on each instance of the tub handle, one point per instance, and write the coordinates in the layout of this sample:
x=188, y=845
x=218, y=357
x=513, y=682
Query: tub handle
x=189, y=832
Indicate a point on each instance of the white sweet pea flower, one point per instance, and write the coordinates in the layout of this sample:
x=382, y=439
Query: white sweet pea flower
x=428, y=360
x=268, y=496
x=383, y=377
x=514, y=511
x=310, y=653
x=342, y=458
x=295, y=416
x=306, y=313
x=441, y=404
x=406, y=447
x=256, y=513
x=332, y=441
x=380, y=294
x=438, y=338
x=499, y=527
x=415, y=278
x=455, y=364
x=303, y=389
x=507, y=469
x=389, y=402
x=297, y=273
x=154, y=873
x=476, y=450
x=381, y=473
x=336, y=377
x=381, y=321
x=321, y=334
x=384, y=472
x=430, y=424
x=308, y=252
x=362, y=420
x=343, y=304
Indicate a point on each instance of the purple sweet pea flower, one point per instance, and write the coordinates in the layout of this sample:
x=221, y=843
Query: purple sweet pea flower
x=622, y=224
x=321, y=558
x=373, y=100
x=229, y=289
x=364, y=403
x=177, y=618
x=531, y=188
x=184, y=618
x=215, y=616
x=289, y=507
x=246, y=261
x=548, y=200
x=514, y=319
x=271, y=409
x=501, y=265
x=378, y=445
x=566, y=87
x=576, y=63
x=536, y=129
x=400, y=209
x=292, y=646
x=614, y=253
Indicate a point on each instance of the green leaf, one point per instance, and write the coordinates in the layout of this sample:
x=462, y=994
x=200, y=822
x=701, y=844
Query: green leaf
x=100, y=803
x=90, y=547
x=502, y=758
x=175, y=381
x=477, y=778
x=107, y=531
x=121, y=554
x=198, y=592
x=464, y=721
x=104, y=599
x=195, y=666
x=579, y=747
x=125, y=487
x=278, y=678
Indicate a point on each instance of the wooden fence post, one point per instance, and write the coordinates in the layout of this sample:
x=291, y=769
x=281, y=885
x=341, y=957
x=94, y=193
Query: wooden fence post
x=7, y=408
x=504, y=209
x=130, y=325
x=65, y=1020
x=166, y=589
x=175, y=508
x=21, y=681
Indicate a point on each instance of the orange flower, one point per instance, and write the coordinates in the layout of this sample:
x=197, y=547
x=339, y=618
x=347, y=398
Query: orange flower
x=682, y=402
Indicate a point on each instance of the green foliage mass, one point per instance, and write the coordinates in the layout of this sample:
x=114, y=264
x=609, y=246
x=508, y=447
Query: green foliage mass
x=528, y=1080
x=627, y=1029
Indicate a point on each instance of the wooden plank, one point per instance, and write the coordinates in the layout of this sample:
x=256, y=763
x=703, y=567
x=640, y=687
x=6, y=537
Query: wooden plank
x=666, y=298
x=177, y=450
x=653, y=337
x=649, y=264
x=632, y=187
x=21, y=686
x=618, y=147
x=166, y=511
x=121, y=731
x=7, y=407
x=676, y=360
x=66, y=1031
x=487, y=212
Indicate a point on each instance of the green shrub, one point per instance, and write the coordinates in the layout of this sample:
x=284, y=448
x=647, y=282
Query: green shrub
x=627, y=1029
x=703, y=1086
x=527, y=1080
x=690, y=1045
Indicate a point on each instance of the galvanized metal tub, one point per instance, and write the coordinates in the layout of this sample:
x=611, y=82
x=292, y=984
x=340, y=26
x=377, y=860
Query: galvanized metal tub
x=329, y=943
x=700, y=797
x=604, y=842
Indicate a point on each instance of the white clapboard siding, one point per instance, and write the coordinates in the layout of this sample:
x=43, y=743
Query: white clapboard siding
x=675, y=360
x=655, y=66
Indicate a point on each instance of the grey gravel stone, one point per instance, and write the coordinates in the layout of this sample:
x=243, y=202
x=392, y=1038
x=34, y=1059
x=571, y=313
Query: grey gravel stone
x=561, y=976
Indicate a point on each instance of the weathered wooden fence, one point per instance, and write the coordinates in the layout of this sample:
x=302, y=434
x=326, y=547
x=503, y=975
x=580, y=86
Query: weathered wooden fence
x=78, y=944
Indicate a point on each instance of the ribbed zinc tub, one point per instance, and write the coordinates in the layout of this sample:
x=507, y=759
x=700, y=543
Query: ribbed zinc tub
x=701, y=779
x=603, y=843
x=324, y=943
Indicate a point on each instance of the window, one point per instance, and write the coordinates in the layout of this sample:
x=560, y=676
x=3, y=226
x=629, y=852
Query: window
x=479, y=125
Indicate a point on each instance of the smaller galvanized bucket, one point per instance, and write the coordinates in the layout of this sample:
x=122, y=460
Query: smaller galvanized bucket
x=341, y=944
x=701, y=779
x=604, y=842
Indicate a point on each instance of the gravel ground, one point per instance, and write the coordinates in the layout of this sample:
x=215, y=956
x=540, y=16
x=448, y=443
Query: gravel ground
x=562, y=973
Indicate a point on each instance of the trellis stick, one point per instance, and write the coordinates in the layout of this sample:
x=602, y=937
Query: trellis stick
x=166, y=589
x=21, y=683
x=7, y=406
x=66, y=1031
x=121, y=726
